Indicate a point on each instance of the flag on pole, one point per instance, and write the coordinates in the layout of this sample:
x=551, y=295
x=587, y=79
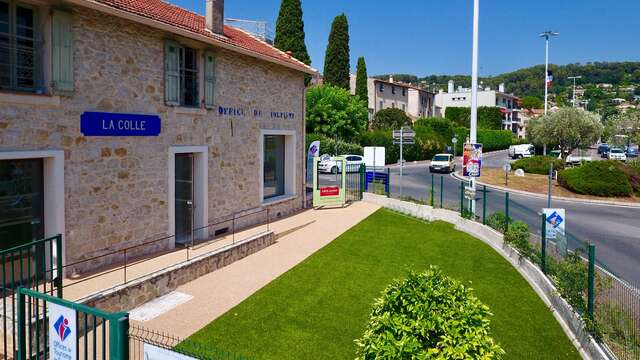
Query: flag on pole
x=549, y=79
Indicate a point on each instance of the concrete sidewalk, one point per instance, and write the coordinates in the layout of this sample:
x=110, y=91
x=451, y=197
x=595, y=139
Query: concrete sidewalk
x=214, y=294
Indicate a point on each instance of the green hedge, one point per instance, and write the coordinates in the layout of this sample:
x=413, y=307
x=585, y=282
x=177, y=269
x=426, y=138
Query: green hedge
x=599, y=178
x=489, y=117
x=538, y=164
x=328, y=145
x=428, y=316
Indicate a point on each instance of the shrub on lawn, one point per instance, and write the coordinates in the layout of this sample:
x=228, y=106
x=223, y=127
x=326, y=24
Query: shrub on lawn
x=428, y=315
x=497, y=221
x=538, y=164
x=599, y=178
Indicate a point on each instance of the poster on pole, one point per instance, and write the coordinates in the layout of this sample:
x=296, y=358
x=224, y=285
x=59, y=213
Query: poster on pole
x=314, y=151
x=62, y=332
x=556, y=220
x=472, y=160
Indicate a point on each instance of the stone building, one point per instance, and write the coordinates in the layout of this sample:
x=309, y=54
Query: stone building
x=128, y=120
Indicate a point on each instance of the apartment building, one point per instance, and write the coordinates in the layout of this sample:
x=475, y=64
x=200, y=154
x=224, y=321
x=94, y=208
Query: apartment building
x=386, y=94
x=124, y=120
x=461, y=97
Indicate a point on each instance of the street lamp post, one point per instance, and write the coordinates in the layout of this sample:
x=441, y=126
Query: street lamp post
x=474, y=92
x=574, y=78
x=546, y=35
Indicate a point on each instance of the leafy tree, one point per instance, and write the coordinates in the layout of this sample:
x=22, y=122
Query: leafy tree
x=390, y=119
x=489, y=117
x=290, y=32
x=567, y=129
x=333, y=111
x=532, y=102
x=336, y=62
x=627, y=125
x=361, y=81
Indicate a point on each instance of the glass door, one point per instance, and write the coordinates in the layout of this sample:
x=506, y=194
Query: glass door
x=184, y=198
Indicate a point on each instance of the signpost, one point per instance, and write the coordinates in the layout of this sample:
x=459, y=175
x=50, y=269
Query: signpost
x=555, y=224
x=404, y=136
x=506, y=167
x=454, y=141
x=63, y=335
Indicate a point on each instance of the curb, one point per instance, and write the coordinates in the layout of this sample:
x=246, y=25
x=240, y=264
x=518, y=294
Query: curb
x=561, y=198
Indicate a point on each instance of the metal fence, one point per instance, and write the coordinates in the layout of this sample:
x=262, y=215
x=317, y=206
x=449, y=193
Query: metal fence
x=93, y=334
x=36, y=265
x=141, y=338
x=609, y=305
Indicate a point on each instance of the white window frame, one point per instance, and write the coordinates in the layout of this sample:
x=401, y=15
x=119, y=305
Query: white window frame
x=53, y=184
x=200, y=190
x=290, y=165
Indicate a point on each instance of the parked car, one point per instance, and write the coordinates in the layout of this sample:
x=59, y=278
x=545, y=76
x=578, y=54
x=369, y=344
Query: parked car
x=577, y=159
x=442, y=163
x=521, y=151
x=604, y=152
x=632, y=152
x=617, y=154
x=604, y=147
x=328, y=164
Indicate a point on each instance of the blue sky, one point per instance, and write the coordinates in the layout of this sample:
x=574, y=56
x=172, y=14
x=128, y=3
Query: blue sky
x=425, y=37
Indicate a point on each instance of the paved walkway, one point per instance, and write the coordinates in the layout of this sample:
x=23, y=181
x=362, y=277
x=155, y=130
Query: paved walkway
x=214, y=294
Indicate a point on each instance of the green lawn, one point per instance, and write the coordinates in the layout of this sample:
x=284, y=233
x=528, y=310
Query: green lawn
x=318, y=308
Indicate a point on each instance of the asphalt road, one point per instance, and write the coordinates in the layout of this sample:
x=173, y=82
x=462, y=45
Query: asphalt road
x=615, y=230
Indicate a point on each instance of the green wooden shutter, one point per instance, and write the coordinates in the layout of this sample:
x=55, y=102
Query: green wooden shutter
x=209, y=79
x=62, y=52
x=172, y=73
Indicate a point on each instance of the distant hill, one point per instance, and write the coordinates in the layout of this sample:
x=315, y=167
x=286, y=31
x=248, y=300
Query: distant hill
x=530, y=81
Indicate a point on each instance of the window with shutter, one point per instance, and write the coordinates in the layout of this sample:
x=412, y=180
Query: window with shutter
x=172, y=73
x=62, y=52
x=209, y=80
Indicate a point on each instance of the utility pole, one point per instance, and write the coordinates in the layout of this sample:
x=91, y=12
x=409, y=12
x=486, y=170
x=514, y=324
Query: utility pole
x=546, y=35
x=474, y=91
x=574, y=78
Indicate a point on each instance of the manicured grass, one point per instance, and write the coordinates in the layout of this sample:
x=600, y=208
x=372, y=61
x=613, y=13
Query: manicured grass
x=318, y=308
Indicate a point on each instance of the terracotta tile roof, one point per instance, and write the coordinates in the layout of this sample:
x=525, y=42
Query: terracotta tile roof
x=178, y=17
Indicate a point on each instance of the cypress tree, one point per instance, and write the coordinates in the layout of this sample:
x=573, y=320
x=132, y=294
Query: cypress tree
x=336, y=62
x=361, y=80
x=290, y=31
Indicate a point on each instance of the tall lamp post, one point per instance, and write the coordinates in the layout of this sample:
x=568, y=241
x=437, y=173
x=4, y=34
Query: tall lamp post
x=474, y=91
x=546, y=35
x=574, y=78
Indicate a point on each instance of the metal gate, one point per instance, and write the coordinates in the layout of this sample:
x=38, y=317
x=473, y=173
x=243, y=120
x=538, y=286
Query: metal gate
x=82, y=332
x=355, y=182
x=36, y=265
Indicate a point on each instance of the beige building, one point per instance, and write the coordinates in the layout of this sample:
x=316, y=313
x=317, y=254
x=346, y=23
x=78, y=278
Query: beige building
x=124, y=121
x=461, y=97
x=414, y=101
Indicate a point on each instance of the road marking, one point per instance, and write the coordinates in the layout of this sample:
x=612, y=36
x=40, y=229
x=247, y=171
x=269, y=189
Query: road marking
x=156, y=307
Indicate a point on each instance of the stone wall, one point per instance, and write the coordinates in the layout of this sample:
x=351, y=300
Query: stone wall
x=137, y=292
x=116, y=187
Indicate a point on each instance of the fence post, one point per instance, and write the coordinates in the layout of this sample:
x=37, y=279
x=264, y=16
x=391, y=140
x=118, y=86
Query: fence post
x=592, y=280
x=441, y=191
x=543, y=251
x=484, y=205
x=432, y=200
x=119, y=336
x=461, y=198
x=59, y=270
x=22, y=336
x=388, y=185
x=362, y=179
x=506, y=211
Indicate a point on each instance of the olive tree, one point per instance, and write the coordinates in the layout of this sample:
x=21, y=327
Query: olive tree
x=567, y=129
x=626, y=125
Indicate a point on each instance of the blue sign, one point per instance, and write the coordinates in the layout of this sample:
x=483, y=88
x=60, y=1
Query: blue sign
x=116, y=124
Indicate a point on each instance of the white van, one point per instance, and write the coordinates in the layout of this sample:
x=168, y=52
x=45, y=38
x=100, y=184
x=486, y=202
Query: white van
x=521, y=151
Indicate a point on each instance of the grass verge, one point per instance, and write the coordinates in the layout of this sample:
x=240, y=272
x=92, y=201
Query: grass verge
x=318, y=308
